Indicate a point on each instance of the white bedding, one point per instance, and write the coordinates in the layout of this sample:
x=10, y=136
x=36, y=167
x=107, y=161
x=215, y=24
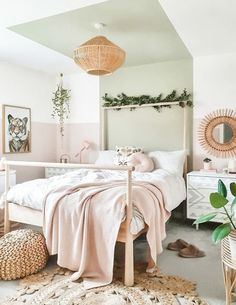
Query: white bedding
x=32, y=193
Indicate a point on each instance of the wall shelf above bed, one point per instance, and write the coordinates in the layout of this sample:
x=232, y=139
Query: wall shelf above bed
x=157, y=102
x=164, y=104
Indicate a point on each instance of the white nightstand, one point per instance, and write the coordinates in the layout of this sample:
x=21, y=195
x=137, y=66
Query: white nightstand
x=55, y=171
x=199, y=186
x=2, y=180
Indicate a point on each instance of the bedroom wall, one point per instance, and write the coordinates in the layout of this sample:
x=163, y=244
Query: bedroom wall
x=214, y=88
x=150, y=79
x=29, y=88
x=83, y=121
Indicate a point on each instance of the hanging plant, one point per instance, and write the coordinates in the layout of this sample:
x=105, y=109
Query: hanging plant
x=60, y=100
x=124, y=100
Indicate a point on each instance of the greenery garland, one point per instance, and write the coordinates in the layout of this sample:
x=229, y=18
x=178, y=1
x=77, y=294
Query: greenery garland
x=124, y=100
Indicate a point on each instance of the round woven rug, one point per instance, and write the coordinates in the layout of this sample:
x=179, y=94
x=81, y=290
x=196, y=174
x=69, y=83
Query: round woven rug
x=56, y=288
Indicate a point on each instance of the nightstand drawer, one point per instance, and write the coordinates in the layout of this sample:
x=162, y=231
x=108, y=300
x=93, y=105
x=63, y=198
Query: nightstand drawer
x=197, y=182
x=196, y=210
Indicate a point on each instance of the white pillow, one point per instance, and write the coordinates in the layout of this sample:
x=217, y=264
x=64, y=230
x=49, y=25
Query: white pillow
x=105, y=157
x=172, y=161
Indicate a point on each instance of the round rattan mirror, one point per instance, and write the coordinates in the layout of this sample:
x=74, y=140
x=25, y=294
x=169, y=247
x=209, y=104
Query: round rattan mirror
x=217, y=133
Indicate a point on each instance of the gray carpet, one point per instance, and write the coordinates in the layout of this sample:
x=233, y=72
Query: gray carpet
x=206, y=271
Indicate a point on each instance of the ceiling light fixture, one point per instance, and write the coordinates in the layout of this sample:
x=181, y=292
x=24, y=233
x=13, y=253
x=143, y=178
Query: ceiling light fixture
x=99, y=56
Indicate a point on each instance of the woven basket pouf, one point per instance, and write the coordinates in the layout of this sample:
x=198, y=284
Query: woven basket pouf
x=22, y=252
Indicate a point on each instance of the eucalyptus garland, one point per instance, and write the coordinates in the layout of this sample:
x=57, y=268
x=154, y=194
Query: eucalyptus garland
x=60, y=102
x=124, y=100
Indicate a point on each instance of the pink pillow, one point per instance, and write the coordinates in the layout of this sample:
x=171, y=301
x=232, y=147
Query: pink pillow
x=141, y=162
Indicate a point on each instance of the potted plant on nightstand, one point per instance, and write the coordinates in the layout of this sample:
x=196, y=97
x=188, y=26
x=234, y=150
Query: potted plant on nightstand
x=207, y=164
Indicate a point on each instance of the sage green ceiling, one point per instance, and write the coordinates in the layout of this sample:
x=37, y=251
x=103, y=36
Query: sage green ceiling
x=140, y=27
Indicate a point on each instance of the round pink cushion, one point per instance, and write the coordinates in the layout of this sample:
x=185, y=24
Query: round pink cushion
x=141, y=162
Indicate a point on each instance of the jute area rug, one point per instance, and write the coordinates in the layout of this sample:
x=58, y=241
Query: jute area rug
x=56, y=288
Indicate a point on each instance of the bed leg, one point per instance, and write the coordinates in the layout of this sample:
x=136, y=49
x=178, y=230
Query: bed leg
x=129, y=247
x=129, y=261
x=7, y=224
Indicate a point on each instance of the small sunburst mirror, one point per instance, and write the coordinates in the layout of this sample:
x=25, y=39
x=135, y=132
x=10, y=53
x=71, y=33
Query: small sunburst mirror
x=217, y=133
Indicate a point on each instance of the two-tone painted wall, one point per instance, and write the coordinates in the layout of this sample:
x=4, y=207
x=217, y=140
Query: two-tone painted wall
x=28, y=88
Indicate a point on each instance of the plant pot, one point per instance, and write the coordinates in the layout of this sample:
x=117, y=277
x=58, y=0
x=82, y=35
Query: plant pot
x=207, y=165
x=228, y=250
x=232, y=245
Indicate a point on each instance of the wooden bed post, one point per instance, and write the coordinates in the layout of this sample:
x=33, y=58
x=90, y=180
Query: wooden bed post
x=129, y=251
x=6, y=214
x=103, y=138
x=185, y=140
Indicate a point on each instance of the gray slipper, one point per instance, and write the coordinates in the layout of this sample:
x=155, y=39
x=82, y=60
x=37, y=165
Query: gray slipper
x=177, y=245
x=191, y=251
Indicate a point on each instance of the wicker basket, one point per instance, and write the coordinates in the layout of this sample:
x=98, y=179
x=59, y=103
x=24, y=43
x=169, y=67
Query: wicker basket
x=22, y=252
x=228, y=258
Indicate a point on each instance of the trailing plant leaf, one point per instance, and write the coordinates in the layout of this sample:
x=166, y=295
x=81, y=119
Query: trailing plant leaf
x=124, y=100
x=222, y=188
x=217, y=200
x=60, y=102
x=205, y=218
x=221, y=232
x=233, y=188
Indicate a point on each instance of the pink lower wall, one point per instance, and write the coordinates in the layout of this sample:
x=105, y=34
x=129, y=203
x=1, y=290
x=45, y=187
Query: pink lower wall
x=43, y=148
x=47, y=146
x=75, y=135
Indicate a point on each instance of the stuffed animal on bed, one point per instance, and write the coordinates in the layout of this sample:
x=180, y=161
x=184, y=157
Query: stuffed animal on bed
x=141, y=162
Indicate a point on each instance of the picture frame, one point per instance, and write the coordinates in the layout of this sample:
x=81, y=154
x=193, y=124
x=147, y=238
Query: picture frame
x=16, y=128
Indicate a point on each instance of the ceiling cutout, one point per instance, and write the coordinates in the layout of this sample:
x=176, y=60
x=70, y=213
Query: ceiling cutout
x=142, y=30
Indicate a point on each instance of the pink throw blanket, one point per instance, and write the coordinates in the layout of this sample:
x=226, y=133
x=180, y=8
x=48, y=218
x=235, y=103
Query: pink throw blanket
x=81, y=225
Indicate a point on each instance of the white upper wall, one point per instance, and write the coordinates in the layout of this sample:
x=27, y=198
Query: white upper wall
x=84, y=103
x=28, y=88
x=214, y=82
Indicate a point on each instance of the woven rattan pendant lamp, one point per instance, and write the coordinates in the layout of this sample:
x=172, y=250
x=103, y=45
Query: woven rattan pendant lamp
x=99, y=56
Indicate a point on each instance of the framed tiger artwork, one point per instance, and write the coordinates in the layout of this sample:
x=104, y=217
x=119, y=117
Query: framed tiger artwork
x=16, y=129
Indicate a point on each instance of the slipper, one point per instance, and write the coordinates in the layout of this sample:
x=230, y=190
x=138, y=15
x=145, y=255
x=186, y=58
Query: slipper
x=177, y=245
x=191, y=251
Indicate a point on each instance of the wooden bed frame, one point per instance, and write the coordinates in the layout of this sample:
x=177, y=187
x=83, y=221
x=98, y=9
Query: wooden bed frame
x=18, y=213
x=14, y=212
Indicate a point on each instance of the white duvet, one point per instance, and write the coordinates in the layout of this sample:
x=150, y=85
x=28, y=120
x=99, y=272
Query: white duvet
x=32, y=193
